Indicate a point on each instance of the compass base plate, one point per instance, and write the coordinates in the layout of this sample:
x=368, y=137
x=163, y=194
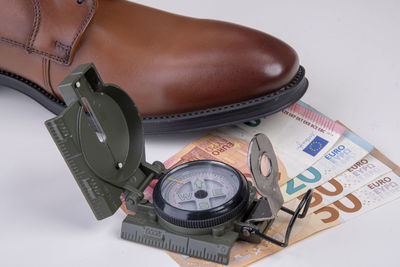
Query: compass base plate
x=141, y=228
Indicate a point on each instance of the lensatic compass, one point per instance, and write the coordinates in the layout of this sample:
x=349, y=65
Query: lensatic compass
x=199, y=208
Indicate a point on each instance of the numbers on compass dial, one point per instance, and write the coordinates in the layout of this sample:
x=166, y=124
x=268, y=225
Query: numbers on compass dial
x=200, y=187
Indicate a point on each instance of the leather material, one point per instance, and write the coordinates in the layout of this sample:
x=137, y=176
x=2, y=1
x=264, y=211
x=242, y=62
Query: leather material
x=62, y=24
x=167, y=63
x=17, y=21
x=48, y=28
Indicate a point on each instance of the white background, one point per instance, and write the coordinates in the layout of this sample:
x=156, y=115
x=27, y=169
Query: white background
x=350, y=50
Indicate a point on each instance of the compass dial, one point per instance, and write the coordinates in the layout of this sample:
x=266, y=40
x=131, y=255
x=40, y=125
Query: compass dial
x=200, y=191
x=200, y=187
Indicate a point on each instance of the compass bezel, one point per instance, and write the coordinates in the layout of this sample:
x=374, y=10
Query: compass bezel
x=203, y=218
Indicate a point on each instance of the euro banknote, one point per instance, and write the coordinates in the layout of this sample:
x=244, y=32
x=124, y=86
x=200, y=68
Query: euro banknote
x=378, y=192
x=347, y=150
x=358, y=175
x=300, y=135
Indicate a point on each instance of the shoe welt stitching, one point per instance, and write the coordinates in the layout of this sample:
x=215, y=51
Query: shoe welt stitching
x=298, y=77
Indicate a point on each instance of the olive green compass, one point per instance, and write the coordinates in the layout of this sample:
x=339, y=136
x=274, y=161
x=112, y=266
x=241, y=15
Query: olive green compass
x=199, y=208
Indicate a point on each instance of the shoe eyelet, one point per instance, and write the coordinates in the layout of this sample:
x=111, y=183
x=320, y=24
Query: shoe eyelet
x=79, y=1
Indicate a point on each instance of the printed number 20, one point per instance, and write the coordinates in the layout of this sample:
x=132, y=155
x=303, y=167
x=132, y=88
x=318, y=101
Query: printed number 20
x=291, y=189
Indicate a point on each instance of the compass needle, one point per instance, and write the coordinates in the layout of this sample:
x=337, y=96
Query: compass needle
x=176, y=180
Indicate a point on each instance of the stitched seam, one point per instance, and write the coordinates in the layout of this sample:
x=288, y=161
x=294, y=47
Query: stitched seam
x=36, y=25
x=43, y=72
x=12, y=42
x=21, y=45
x=85, y=22
x=83, y=25
x=49, y=78
x=64, y=59
x=62, y=46
x=65, y=48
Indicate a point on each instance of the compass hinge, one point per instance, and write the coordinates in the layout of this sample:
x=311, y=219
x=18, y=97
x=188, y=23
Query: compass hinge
x=134, y=194
x=156, y=169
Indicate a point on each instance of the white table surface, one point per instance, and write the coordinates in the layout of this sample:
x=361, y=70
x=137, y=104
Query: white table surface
x=350, y=50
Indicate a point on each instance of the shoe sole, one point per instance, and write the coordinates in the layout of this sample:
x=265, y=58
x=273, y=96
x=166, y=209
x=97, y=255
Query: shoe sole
x=183, y=122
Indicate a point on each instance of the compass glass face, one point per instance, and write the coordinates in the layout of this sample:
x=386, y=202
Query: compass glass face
x=201, y=185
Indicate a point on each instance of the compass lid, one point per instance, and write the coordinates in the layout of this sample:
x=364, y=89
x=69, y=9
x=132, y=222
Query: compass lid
x=100, y=136
x=264, y=170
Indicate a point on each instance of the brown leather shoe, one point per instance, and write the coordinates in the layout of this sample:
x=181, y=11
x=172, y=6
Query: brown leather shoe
x=183, y=73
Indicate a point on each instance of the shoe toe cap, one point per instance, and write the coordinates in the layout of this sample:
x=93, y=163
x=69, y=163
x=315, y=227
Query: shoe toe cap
x=263, y=62
x=277, y=63
x=237, y=64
